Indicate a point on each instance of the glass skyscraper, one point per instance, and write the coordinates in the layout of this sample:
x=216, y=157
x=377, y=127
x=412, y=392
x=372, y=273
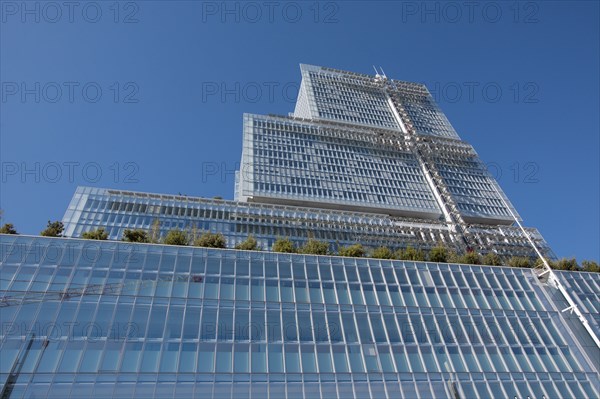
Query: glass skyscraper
x=363, y=159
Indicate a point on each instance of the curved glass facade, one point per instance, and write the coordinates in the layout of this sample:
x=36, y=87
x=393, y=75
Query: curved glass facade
x=111, y=319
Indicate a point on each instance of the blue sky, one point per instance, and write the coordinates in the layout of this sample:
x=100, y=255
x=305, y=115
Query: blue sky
x=149, y=95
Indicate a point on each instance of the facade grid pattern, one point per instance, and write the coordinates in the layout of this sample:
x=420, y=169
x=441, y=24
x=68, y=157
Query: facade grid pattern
x=276, y=323
x=362, y=159
x=116, y=211
x=427, y=118
x=302, y=162
x=335, y=96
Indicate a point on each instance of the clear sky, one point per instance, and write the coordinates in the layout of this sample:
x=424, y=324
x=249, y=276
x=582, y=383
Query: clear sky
x=149, y=95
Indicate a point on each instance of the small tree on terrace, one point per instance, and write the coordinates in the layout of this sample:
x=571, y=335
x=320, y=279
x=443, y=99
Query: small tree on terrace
x=315, y=247
x=590, y=266
x=250, y=244
x=382, y=253
x=284, y=245
x=492, y=259
x=210, y=240
x=98, y=234
x=8, y=228
x=54, y=229
x=438, y=253
x=470, y=258
x=176, y=237
x=519, y=261
x=352, y=251
x=410, y=253
x=136, y=235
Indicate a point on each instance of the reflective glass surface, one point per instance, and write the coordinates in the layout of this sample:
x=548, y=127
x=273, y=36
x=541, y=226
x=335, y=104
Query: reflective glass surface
x=111, y=319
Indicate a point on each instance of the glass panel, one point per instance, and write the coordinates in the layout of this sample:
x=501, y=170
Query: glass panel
x=508, y=359
x=342, y=292
x=256, y=268
x=301, y=291
x=257, y=328
x=405, y=329
x=378, y=329
x=356, y=364
x=272, y=291
x=325, y=272
x=292, y=359
x=395, y=295
x=483, y=359
x=340, y=360
x=192, y=321
x=338, y=273
x=225, y=325
x=349, y=328
x=457, y=362
x=241, y=359
x=131, y=357
x=369, y=294
x=275, y=358
x=496, y=359
x=324, y=358
x=71, y=356
x=407, y=296
x=187, y=359
x=206, y=358
x=150, y=358
x=391, y=328
x=401, y=360
x=242, y=289
x=111, y=356
x=363, y=328
x=242, y=325
x=227, y=288
x=308, y=359
x=208, y=329
x=421, y=297
x=259, y=358
x=320, y=327
x=174, y=322
x=91, y=357
x=273, y=326
x=298, y=271
x=472, y=365
x=312, y=271
x=428, y=359
x=385, y=357
x=211, y=289
x=285, y=271
x=170, y=358
x=289, y=326
x=414, y=359
x=258, y=290
x=315, y=293
x=329, y=293
x=287, y=292
x=305, y=326
x=535, y=361
x=521, y=359
x=224, y=361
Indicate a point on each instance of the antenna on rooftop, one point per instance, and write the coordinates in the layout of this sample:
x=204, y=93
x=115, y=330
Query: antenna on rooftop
x=379, y=75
